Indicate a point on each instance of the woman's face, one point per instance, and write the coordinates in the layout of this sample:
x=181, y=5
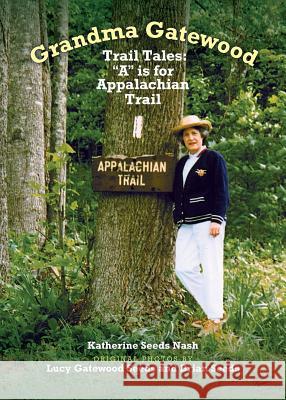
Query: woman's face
x=192, y=140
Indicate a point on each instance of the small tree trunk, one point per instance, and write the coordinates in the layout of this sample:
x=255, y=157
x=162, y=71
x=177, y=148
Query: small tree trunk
x=4, y=21
x=59, y=114
x=57, y=184
x=236, y=67
x=47, y=90
x=26, y=167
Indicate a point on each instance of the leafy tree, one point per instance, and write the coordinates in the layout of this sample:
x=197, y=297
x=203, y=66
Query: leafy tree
x=256, y=155
x=246, y=106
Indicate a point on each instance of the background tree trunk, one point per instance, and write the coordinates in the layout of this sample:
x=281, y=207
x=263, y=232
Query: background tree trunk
x=47, y=90
x=236, y=66
x=133, y=272
x=26, y=173
x=59, y=115
x=4, y=21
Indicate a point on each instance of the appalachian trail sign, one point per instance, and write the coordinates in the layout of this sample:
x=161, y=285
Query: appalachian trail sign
x=147, y=173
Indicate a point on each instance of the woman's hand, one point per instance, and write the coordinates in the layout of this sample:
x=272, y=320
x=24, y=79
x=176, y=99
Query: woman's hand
x=214, y=229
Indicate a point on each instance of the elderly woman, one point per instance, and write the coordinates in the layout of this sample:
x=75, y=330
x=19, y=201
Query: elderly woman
x=200, y=193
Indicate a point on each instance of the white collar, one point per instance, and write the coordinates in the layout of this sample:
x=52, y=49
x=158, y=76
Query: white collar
x=198, y=152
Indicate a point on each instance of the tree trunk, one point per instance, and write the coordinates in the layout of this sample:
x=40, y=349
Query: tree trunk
x=4, y=22
x=133, y=271
x=26, y=174
x=236, y=67
x=59, y=114
x=47, y=90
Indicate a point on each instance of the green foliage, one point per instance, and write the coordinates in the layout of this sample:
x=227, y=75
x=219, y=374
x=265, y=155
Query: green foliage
x=81, y=210
x=268, y=78
x=86, y=65
x=36, y=321
x=200, y=91
x=33, y=309
x=253, y=143
x=85, y=104
x=247, y=108
x=254, y=294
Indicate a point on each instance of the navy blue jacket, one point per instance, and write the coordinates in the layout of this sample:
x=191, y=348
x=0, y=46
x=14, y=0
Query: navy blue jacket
x=205, y=195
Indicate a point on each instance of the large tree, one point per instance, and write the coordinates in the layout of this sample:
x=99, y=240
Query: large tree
x=133, y=266
x=26, y=174
x=4, y=21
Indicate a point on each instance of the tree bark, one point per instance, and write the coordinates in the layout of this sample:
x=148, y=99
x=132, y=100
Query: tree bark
x=26, y=173
x=133, y=266
x=47, y=90
x=4, y=36
x=236, y=67
x=59, y=115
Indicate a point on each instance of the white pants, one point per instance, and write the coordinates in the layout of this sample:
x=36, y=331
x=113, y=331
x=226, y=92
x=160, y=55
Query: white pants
x=199, y=266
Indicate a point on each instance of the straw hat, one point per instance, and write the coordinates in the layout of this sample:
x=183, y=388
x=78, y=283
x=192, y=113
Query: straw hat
x=190, y=121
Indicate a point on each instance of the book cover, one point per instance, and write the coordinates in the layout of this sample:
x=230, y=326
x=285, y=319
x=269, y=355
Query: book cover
x=90, y=95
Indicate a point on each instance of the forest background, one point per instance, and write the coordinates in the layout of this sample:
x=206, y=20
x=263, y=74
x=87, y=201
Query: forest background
x=55, y=294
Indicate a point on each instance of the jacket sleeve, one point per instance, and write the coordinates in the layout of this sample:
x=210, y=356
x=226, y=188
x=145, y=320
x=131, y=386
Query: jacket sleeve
x=176, y=194
x=220, y=191
x=175, y=183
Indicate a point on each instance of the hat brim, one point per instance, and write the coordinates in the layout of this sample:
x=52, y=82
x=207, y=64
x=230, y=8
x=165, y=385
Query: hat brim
x=178, y=130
